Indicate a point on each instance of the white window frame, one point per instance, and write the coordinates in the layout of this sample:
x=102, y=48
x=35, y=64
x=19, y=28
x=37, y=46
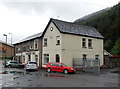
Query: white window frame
x=57, y=40
x=36, y=58
x=36, y=43
x=83, y=42
x=45, y=40
x=89, y=43
x=46, y=58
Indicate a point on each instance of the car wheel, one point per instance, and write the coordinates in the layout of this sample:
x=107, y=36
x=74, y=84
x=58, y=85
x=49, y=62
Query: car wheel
x=9, y=66
x=66, y=71
x=49, y=70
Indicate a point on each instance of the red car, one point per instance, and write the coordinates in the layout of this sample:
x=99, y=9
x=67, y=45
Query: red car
x=59, y=67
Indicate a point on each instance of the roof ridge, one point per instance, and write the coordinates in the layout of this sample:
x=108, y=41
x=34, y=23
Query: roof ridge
x=73, y=23
x=72, y=28
x=30, y=37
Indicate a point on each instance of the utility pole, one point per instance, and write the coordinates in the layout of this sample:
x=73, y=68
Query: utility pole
x=11, y=46
x=5, y=49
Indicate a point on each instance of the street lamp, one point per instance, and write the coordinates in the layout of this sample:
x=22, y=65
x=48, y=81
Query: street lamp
x=6, y=48
x=11, y=44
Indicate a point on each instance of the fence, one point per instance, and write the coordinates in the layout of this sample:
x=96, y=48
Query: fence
x=87, y=65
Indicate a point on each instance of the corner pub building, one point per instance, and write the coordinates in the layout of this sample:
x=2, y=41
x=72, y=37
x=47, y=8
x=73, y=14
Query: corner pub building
x=29, y=49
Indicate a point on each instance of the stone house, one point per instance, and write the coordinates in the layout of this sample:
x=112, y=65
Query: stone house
x=63, y=41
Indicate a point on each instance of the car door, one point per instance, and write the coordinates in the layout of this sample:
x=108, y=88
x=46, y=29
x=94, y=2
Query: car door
x=53, y=66
x=59, y=67
x=14, y=64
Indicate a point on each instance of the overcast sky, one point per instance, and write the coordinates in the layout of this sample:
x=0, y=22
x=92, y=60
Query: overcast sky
x=23, y=18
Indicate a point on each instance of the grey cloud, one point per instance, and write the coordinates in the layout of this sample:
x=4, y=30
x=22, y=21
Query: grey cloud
x=67, y=10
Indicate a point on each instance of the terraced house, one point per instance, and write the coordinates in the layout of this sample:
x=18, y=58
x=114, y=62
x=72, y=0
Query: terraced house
x=64, y=41
x=29, y=49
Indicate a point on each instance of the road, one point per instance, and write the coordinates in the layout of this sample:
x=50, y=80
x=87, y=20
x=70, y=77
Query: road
x=13, y=77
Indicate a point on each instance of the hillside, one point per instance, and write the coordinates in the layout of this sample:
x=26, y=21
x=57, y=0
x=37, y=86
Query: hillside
x=91, y=15
x=107, y=22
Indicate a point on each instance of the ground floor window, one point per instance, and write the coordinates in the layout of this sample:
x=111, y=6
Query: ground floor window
x=96, y=56
x=36, y=58
x=84, y=56
x=29, y=57
x=23, y=59
x=46, y=58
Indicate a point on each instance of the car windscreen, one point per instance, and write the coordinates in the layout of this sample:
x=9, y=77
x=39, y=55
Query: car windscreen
x=32, y=63
x=64, y=65
x=14, y=62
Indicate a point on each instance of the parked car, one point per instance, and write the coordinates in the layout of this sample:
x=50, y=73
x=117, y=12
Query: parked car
x=59, y=67
x=12, y=63
x=31, y=66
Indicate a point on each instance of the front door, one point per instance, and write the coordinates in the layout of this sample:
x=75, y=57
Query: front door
x=57, y=58
x=29, y=57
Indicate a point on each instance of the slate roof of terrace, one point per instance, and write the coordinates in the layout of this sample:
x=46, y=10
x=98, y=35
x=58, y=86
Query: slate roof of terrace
x=31, y=37
x=72, y=28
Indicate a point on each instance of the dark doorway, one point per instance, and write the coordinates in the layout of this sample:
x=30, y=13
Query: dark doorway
x=29, y=57
x=57, y=58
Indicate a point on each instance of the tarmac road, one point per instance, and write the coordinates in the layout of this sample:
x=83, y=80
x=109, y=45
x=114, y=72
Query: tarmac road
x=12, y=77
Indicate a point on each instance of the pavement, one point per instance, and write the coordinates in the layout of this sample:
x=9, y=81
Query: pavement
x=15, y=77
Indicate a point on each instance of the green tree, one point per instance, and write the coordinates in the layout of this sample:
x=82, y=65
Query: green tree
x=108, y=45
x=116, y=48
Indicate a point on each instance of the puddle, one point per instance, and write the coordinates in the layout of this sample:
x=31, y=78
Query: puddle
x=12, y=72
x=116, y=71
x=49, y=75
x=56, y=76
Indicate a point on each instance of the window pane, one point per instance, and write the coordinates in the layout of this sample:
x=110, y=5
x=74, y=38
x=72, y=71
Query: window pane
x=45, y=42
x=89, y=43
x=58, y=40
x=46, y=58
x=83, y=42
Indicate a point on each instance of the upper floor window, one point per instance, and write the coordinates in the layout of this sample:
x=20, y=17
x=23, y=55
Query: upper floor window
x=31, y=47
x=83, y=42
x=45, y=42
x=89, y=43
x=24, y=48
x=36, y=44
x=18, y=49
x=58, y=40
x=28, y=47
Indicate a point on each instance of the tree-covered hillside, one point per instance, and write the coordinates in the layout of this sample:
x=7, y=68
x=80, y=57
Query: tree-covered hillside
x=108, y=24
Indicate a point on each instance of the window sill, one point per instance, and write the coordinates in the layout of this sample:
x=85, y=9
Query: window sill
x=84, y=47
x=45, y=63
x=44, y=46
x=57, y=44
x=90, y=47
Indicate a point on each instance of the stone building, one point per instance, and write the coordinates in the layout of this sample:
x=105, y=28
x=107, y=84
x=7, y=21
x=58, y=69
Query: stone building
x=6, y=50
x=29, y=49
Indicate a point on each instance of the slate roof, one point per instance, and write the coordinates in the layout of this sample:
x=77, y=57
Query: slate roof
x=72, y=28
x=31, y=37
